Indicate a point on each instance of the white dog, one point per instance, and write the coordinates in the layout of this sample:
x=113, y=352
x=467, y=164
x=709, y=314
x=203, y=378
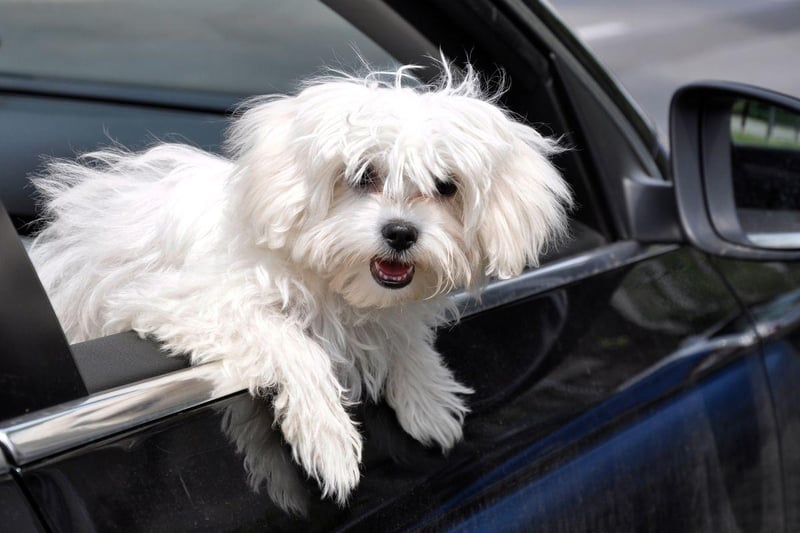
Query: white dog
x=313, y=262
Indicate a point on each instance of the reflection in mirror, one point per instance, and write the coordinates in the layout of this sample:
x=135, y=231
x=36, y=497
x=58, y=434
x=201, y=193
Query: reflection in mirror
x=765, y=160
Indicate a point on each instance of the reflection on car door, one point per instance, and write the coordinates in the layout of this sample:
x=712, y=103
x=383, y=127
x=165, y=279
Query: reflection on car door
x=632, y=399
x=771, y=292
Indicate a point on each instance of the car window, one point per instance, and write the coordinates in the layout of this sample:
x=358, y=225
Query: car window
x=86, y=125
x=236, y=46
x=240, y=48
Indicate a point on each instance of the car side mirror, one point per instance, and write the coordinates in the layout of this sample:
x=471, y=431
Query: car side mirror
x=736, y=169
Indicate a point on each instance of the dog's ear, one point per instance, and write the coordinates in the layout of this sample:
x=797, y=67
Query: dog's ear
x=274, y=186
x=526, y=207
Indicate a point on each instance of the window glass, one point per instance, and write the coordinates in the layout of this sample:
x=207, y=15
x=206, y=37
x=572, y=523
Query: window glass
x=234, y=46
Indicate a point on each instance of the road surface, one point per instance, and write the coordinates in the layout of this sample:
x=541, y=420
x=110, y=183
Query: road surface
x=653, y=47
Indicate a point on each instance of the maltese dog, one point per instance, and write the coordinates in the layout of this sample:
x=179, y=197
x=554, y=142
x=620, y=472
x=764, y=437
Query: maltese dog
x=315, y=260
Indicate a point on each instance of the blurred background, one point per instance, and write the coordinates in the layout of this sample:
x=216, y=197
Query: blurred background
x=653, y=47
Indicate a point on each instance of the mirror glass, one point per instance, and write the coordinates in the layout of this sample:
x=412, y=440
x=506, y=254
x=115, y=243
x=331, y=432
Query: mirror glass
x=765, y=160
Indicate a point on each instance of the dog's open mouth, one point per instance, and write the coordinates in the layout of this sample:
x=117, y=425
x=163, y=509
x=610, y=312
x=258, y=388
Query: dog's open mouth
x=391, y=274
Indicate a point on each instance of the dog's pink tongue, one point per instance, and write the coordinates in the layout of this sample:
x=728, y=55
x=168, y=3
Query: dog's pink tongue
x=394, y=268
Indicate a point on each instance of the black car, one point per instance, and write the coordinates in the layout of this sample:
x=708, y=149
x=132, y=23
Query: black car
x=644, y=378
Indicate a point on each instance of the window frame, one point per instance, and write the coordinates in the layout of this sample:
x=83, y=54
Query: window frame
x=33, y=436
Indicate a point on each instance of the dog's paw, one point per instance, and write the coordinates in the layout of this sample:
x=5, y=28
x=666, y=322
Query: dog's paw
x=434, y=415
x=335, y=465
x=329, y=449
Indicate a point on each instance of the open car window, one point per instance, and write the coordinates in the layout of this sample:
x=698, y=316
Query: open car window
x=96, y=108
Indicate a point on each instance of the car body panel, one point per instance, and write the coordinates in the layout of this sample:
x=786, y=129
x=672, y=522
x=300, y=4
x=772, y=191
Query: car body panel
x=771, y=292
x=570, y=383
x=782, y=360
x=15, y=512
x=703, y=452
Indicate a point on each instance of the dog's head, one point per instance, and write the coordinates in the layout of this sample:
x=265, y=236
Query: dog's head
x=392, y=192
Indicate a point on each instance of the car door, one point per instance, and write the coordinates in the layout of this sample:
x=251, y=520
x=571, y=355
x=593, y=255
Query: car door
x=771, y=292
x=747, y=184
x=15, y=512
x=601, y=404
x=765, y=173
x=618, y=387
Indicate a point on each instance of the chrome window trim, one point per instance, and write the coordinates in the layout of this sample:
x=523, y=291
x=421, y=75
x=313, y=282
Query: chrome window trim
x=60, y=428
x=55, y=430
x=558, y=273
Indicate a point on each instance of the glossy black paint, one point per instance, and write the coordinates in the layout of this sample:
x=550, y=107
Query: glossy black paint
x=782, y=361
x=701, y=453
x=586, y=371
x=771, y=292
x=15, y=513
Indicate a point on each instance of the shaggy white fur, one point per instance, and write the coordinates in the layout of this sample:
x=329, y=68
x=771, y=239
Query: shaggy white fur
x=314, y=261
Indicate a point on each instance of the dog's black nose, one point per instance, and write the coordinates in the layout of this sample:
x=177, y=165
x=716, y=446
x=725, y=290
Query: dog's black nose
x=399, y=235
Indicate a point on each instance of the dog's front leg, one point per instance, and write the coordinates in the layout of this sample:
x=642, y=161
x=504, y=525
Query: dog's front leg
x=309, y=411
x=267, y=353
x=426, y=397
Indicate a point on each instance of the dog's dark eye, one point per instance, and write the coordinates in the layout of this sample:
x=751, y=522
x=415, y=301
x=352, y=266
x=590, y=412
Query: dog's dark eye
x=369, y=178
x=446, y=188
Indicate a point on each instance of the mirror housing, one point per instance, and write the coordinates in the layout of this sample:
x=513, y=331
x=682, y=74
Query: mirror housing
x=708, y=181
